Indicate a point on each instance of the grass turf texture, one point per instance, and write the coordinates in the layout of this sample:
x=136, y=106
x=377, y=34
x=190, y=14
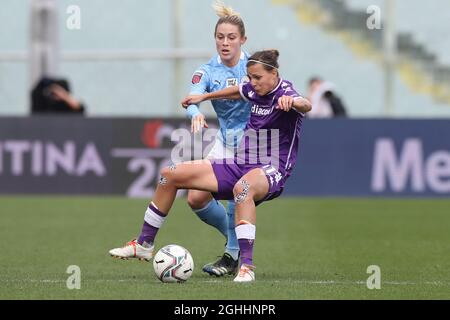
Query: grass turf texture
x=310, y=248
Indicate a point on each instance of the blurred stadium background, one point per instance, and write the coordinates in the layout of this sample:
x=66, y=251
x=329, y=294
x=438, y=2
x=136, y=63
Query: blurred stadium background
x=141, y=55
x=131, y=62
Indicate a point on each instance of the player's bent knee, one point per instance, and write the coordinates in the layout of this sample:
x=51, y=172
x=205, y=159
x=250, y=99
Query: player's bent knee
x=242, y=191
x=197, y=200
x=166, y=176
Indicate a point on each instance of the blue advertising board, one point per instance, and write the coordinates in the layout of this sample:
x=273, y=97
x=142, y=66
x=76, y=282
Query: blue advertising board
x=373, y=158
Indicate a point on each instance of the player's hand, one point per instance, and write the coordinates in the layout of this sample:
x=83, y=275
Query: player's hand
x=285, y=103
x=198, y=122
x=192, y=99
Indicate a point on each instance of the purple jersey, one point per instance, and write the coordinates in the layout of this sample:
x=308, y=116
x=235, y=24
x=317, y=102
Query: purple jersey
x=277, y=131
x=270, y=142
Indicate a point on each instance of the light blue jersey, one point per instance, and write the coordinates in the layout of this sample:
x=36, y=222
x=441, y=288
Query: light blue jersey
x=233, y=115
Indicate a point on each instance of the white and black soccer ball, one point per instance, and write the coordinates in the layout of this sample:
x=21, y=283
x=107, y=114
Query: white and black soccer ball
x=173, y=263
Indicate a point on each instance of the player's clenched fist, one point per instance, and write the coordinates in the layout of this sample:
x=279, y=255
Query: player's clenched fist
x=285, y=103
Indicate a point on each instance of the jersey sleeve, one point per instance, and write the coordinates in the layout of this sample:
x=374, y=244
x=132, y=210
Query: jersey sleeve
x=199, y=82
x=199, y=85
x=245, y=89
x=288, y=90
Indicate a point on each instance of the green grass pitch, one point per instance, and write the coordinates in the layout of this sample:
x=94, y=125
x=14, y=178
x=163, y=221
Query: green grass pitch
x=312, y=248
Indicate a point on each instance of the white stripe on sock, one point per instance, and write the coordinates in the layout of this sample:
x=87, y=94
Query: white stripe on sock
x=246, y=231
x=153, y=218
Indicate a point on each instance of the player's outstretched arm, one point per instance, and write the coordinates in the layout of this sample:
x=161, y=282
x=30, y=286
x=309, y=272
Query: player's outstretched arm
x=302, y=105
x=228, y=93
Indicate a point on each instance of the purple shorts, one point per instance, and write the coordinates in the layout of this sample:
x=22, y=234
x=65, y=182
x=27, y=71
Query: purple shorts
x=228, y=175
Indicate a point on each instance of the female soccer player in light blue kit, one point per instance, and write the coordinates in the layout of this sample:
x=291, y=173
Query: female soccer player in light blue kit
x=226, y=69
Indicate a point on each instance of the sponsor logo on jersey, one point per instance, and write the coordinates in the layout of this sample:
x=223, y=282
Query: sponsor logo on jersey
x=232, y=82
x=197, y=77
x=261, y=110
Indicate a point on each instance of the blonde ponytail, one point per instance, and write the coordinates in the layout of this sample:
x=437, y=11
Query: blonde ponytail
x=222, y=10
x=228, y=15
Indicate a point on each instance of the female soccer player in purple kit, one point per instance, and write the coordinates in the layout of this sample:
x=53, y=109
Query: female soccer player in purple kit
x=257, y=174
x=226, y=68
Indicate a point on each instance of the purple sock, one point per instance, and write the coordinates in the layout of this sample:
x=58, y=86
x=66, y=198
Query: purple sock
x=149, y=231
x=246, y=247
x=148, y=234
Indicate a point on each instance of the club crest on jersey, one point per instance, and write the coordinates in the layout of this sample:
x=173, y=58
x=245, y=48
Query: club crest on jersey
x=197, y=77
x=231, y=82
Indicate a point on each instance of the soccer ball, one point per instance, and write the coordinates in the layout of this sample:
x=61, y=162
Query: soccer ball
x=173, y=263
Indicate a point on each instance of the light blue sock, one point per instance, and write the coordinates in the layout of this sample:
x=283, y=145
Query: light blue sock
x=215, y=215
x=232, y=243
